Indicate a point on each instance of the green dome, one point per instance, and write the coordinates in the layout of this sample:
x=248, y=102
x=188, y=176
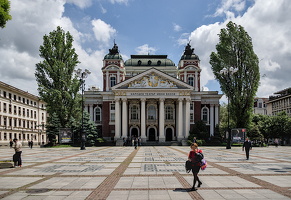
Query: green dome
x=189, y=57
x=149, y=60
x=113, y=56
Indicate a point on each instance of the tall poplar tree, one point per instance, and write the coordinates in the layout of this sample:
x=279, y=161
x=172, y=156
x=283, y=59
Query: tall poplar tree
x=235, y=49
x=57, y=84
x=4, y=12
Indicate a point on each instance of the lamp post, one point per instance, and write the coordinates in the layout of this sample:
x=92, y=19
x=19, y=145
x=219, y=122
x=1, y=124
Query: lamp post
x=82, y=75
x=227, y=73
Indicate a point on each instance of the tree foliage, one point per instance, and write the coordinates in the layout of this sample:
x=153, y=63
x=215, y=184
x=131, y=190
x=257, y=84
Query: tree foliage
x=57, y=85
x=235, y=49
x=4, y=12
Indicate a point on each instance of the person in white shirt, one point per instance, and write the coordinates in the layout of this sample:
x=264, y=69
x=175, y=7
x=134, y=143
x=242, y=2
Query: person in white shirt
x=17, y=156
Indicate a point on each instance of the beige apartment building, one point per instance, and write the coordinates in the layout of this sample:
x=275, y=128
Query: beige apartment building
x=22, y=116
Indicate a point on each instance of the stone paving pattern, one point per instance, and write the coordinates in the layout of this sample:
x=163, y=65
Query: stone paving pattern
x=156, y=172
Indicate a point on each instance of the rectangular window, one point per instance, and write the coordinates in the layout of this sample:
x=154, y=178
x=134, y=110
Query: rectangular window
x=15, y=110
x=27, y=111
x=112, y=81
x=191, y=81
x=4, y=94
x=112, y=117
x=112, y=106
x=23, y=100
x=14, y=97
x=191, y=106
x=10, y=108
x=10, y=96
x=4, y=107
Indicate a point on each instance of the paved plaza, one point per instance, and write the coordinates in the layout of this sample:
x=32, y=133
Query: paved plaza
x=150, y=172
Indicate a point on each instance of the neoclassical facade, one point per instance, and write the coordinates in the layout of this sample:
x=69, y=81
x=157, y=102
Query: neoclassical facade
x=22, y=116
x=148, y=96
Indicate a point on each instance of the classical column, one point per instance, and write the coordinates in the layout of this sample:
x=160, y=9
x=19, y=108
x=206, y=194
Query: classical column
x=216, y=114
x=117, y=118
x=124, y=117
x=196, y=81
x=91, y=112
x=185, y=78
x=162, y=121
x=180, y=119
x=118, y=77
x=107, y=81
x=143, y=120
x=211, y=120
x=187, y=117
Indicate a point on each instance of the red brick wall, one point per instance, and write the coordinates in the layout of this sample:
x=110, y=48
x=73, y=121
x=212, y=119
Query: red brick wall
x=197, y=111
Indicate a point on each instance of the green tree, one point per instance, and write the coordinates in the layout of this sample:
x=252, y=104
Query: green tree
x=4, y=12
x=53, y=125
x=57, y=84
x=235, y=50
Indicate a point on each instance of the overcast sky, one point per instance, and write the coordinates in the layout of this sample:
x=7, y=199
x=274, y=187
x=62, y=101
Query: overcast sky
x=142, y=27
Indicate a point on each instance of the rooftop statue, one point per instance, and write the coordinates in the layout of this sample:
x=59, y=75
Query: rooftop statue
x=114, y=49
x=188, y=50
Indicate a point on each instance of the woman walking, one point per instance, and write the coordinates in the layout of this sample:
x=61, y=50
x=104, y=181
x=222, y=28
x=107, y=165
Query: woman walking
x=195, y=156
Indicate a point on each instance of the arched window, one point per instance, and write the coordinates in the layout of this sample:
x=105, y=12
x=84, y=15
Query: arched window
x=134, y=112
x=112, y=81
x=152, y=112
x=169, y=112
x=98, y=114
x=191, y=81
x=205, y=113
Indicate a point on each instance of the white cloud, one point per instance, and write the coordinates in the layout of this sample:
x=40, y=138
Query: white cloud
x=145, y=50
x=230, y=5
x=103, y=32
x=267, y=22
x=22, y=37
x=81, y=3
x=176, y=27
x=119, y=1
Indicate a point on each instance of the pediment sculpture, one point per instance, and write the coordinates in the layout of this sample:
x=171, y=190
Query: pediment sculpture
x=152, y=81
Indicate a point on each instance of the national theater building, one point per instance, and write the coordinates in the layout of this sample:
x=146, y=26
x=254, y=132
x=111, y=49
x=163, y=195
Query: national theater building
x=148, y=96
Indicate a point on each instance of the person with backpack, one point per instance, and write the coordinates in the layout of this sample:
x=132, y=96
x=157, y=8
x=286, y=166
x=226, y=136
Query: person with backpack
x=195, y=156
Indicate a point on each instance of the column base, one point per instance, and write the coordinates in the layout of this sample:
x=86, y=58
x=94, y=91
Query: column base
x=162, y=139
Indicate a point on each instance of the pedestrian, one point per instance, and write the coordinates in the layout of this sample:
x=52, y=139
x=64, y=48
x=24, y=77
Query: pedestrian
x=195, y=158
x=276, y=142
x=135, y=143
x=247, y=146
x=10, y=143
x=194, y=140
x=17, y=156
x=139, y=141
x=31, y=144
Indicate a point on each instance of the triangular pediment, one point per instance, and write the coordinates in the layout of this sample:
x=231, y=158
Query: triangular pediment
x=152, y=79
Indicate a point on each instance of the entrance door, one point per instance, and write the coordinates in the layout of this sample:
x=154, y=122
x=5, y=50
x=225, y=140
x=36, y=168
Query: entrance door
x=152, y=134
x=134, y=132
x=169, y=134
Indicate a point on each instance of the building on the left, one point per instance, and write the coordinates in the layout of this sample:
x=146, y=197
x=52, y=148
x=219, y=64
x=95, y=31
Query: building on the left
x=22, y=116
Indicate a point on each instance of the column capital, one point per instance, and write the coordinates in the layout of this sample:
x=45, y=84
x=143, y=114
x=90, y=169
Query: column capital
x=162, y=99
x=143, y=99
x=188, y=99
x=180, y=99
x=124, y=99
x=117, y=99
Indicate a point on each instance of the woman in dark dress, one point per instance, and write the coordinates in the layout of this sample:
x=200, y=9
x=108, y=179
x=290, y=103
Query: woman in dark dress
x=196, y=163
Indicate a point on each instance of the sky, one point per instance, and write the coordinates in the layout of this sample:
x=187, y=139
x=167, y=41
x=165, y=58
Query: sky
x=155, y=27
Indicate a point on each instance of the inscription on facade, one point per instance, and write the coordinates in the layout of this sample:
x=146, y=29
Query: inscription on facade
x=153, y=94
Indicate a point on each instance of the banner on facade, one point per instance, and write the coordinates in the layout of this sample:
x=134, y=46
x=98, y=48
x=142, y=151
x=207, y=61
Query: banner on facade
x=65, y=135
x=238, y=135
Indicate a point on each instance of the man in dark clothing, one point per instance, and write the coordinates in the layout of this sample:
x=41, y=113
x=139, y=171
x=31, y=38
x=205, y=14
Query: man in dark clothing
x=247, y=146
